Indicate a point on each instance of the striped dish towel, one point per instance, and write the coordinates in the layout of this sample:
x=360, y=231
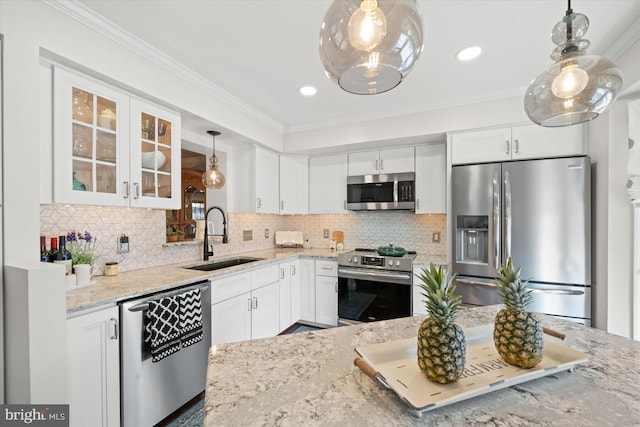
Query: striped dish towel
x=162, y=327
x=190, y=317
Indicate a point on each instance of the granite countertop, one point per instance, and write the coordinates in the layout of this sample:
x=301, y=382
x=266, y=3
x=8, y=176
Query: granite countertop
x=109, y=290
x=309, y=379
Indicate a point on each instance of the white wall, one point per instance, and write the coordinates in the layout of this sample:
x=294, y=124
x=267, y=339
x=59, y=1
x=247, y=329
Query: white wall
x=613, y=215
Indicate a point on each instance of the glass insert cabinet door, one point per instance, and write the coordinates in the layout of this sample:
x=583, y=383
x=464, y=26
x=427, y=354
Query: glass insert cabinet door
x=155, y=156
x=89, y=153
x=111, y=148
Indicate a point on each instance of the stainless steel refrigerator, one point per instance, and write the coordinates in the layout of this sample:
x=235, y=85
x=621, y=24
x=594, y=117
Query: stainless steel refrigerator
x=538, y=212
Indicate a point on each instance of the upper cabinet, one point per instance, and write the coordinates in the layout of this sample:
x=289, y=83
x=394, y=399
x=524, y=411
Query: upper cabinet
x=266, y=178
x=294, y=184
x=520, y=142
x=391, y=160
x=112, y=149
x=431, y=173
x=328, y=184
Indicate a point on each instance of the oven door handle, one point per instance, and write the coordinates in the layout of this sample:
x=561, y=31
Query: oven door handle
x=354, y=273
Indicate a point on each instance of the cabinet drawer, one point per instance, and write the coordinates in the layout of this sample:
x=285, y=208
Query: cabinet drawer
x=264, y=276
x=230, y=286
x=327, y=268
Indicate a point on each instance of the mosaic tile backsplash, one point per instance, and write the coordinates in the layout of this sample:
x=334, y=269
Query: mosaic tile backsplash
x=146, y=231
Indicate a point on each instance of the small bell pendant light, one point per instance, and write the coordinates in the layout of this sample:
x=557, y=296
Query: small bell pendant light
x=577, y=87
x=213, y=178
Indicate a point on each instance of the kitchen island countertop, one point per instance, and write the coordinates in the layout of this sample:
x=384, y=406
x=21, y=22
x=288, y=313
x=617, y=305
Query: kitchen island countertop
x=309, y=379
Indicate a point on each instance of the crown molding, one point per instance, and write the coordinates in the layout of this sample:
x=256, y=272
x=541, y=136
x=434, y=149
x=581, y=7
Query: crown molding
x=628, y=38
x=105, y=27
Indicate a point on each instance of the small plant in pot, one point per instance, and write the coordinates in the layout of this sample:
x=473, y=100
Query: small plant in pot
x=172, y=236
x=81, y=245
x=180, y=235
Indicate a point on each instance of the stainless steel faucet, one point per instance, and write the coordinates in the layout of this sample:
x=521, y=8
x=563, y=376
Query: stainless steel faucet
x=207, y=248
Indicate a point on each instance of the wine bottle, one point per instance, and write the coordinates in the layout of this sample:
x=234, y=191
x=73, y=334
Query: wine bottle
x=63, y=256
x=54, y=249
x=44, y=253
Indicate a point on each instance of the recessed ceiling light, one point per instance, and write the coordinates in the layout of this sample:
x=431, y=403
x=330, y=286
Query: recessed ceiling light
x=469, y=53
x=308, y=90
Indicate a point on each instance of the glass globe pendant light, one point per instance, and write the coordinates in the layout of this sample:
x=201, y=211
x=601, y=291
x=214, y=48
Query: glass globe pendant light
x=213, y=178
x=367, y=46
x=577, y=87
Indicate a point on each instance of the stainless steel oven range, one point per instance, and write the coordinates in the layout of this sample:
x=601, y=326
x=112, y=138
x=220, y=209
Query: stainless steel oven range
x=374, y=287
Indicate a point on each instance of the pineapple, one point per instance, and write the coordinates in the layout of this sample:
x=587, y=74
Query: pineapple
x=517, y=333
x=441, y=343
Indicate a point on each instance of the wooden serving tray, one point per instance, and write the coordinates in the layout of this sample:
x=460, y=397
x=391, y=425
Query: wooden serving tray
x=394, y=365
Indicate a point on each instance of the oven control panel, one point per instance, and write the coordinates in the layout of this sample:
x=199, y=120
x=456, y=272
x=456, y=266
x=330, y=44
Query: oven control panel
x=377, y=262
x=372, y=261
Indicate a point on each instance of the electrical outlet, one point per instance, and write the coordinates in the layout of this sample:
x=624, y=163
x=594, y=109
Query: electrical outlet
x=247, y=235
x=436, y=237
x=325, y=233
x=266, y=233
x=123, y=244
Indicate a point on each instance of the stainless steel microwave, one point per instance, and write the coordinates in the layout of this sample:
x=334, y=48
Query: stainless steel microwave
x=381, y=192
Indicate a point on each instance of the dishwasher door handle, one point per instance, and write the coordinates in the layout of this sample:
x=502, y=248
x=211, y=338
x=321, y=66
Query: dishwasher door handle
x=145, y=305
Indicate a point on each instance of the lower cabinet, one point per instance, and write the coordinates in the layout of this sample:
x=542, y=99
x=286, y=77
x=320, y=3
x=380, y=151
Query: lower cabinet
x=93, y=349
x=285, y=294
x=265, y=313
x=245, y=306
x=307, y=286
x=327, y=292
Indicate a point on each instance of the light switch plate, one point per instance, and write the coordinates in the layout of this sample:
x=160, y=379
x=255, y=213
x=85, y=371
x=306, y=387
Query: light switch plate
x=325, y=233
x=266, y=233
x=436, y=237
x=247, y=235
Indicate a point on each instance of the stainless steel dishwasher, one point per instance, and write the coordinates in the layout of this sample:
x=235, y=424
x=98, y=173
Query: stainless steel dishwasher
x=151, y=391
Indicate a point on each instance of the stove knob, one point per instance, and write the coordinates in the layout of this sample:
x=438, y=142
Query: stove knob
x=397, y=263
x=390, y=263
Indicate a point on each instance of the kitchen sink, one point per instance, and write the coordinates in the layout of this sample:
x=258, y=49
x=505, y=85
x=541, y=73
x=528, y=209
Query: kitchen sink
x=211, y=266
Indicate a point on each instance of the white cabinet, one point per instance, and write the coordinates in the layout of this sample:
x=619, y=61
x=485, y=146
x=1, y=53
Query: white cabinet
x=419, y=308
x=294, y=184
x=112, y=149
x=307, y=278
x=391, y=160
x=517, y=143
x=94, y=368
x=245, y=306
x=231, y=308
x=328, y=184
x=231, y=319
x=431, y=171
x=286, y=295
x=327, y=292
x=266, y=181
x=265, y=314
x=294, y=274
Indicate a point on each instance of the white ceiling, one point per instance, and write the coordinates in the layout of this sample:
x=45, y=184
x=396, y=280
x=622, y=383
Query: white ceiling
x=263, y=51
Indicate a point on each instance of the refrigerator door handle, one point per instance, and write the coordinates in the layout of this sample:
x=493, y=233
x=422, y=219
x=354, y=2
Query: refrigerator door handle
x=557, y=292
x=475, y=283
x=496, y=226
x=507, y=215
